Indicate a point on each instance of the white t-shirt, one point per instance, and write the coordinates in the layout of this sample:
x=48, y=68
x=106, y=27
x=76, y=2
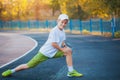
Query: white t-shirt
x=56, y=35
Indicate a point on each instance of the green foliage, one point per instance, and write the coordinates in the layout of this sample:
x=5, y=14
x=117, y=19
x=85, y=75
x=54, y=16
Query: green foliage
x=42, y=9
x=55, y=6
x=85, y=32
x=117, y=34
x=114, y=6
x=73, y=9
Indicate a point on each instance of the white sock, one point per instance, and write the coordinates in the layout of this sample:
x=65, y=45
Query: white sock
x=70, y=68
x=13, y=70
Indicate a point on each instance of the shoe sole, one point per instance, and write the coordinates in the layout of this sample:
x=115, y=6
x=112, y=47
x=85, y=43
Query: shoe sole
x=74, y=76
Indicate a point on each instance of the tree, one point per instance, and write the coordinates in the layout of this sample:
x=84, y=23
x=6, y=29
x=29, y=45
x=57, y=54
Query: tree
x=114, y=7
x=50, y=9
x=55, y=6
x=95, y=8
x=73, y=9
x=1, y=9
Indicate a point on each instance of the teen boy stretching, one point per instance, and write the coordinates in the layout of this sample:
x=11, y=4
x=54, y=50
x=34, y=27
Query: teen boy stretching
x=54, y=47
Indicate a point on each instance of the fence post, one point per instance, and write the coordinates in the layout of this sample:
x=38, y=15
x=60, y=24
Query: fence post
x=90, y=25
x=11, y=24
x=46, y=23
x=113, y=26
x=80, y=25
x=1, y=24
x=101, y=26
x=19, y=24
x=37, y=24
x=28, y=23
x=70, y=25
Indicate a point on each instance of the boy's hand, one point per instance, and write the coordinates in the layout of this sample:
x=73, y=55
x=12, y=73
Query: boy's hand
x=66, y=50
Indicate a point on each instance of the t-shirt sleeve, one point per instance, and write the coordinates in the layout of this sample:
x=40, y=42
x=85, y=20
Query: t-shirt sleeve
x=54, y=37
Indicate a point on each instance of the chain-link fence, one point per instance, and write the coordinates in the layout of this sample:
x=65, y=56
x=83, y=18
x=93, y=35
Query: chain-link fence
x=92, y=25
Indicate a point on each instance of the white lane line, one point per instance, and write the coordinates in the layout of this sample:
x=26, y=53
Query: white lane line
x=23, y=54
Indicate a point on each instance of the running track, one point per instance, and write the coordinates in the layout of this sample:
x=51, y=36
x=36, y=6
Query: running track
x=98, y=58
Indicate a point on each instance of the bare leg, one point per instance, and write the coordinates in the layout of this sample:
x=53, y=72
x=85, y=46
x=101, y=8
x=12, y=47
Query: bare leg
x=71, y=71
x=18, y=68
x=68, y=55
x=21, y=67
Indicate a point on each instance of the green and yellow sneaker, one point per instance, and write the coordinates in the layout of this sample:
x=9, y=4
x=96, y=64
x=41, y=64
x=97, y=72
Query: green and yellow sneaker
x=74, y=73
x=6, y=73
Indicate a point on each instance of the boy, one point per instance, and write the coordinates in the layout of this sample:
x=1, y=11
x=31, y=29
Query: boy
x=54, y=47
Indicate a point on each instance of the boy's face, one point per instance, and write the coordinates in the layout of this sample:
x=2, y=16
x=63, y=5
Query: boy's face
x=62, y=23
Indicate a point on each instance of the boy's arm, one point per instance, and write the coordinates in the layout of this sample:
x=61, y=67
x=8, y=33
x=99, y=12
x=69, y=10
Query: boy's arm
x=55, y=45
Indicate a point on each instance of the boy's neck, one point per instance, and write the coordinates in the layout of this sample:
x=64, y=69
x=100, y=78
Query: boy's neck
x=60, y=28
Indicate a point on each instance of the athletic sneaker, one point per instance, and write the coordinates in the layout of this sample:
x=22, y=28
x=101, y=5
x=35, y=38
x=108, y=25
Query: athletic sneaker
x=6, y=73
x=74, y=73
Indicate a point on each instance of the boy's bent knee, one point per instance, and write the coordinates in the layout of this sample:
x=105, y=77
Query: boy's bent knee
x=69, y=50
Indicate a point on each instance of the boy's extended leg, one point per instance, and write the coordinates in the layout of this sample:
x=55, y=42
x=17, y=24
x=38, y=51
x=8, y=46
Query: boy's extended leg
x=18, y=68
x=32, y=63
